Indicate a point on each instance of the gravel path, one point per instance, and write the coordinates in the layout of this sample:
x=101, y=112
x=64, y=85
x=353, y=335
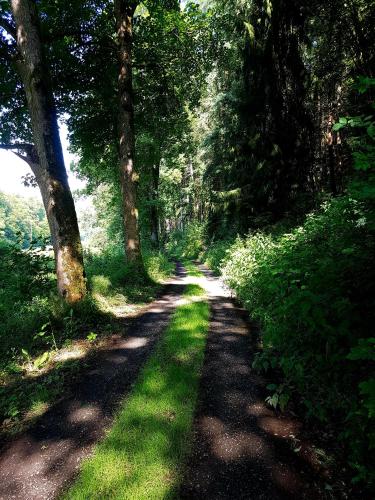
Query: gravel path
x=241, y=449
x=39, y=463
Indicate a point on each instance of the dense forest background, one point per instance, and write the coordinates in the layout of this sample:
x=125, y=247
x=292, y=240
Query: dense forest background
x=253, y=130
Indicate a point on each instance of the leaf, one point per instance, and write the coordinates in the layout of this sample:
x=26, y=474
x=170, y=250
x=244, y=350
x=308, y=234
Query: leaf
x=283, y=400
x=347, y=251
x=250, y=30
x=273, y=400
x=371, y=130
x=25, y=353
x=365, y=350
x=41, y=360
x=367, y=389
x=337, y=126
x=91, y=336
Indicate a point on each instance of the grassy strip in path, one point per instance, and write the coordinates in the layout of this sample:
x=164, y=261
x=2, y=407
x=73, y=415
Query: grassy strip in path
x=192, y=269
x=142, y=455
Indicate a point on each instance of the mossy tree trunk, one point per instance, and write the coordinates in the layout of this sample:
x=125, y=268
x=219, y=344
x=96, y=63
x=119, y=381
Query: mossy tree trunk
x=48, y=162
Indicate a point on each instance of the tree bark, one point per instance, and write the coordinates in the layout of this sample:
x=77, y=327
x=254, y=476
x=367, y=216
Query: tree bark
x=48, y=164
x=154, y=207
x=124, y=11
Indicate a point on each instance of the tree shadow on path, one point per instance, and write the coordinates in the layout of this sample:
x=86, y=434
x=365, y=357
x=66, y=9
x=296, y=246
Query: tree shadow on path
x=42, y=461
x=241, y=448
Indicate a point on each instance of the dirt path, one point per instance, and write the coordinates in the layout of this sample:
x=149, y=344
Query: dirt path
x=241, y=449
x=39, y=463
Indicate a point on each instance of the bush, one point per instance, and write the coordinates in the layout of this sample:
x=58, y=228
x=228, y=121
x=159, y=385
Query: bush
x=312, y=290
x=187, y=243
x=157, y=265
x=32, y=312
x=35, y=321
x=109, y=275
x=26, y=278
x=216, y=254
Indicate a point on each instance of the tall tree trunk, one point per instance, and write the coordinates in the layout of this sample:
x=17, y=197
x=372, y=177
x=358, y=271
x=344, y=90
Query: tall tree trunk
x=154, y=207
x=124, y=11
x=49, y=169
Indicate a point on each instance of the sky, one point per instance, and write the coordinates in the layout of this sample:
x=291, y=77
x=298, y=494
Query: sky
x=13, y=168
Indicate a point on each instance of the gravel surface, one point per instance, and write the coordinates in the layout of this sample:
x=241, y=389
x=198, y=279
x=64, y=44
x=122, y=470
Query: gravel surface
x=241, y=448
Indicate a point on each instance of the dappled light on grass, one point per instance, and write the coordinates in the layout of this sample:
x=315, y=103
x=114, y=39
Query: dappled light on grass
x=142, y=455
x=192, y=269
x=44, y=342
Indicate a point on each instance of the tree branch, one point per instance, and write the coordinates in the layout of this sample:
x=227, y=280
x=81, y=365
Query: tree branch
x=18, y=145
x=29, y=155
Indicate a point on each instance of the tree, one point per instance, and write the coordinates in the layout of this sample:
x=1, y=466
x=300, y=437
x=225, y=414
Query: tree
x=22, y=221
x=124, y=11
x=45, y=156
x=281, y=72
x=167, y=76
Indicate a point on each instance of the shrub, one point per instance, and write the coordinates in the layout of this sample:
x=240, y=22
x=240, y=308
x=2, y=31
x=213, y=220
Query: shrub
x=157, y=265
x=312, y=290
x=187, y=243
x=216, y=254
x=30, y=305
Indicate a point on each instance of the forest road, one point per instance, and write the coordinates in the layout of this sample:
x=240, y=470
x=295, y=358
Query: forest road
x=241, y=448
x=42, y=461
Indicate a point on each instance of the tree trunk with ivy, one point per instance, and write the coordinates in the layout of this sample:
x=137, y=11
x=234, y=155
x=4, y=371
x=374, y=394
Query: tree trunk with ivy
x=124, y=11
x=46, y=160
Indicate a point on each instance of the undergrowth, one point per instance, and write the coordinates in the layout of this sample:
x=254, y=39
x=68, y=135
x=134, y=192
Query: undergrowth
x=312, y=291
x=40, y=335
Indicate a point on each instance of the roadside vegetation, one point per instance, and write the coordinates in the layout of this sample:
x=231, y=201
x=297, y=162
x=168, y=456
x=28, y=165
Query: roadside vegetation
x=43, y=340
x=310, y=286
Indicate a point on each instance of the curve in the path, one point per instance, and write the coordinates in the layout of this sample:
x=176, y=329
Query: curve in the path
x=241, y=449
x=39, y=463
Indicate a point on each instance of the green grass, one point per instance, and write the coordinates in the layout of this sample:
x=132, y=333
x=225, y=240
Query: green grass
x=142, y=456
x=36, y=324
x=191, y=268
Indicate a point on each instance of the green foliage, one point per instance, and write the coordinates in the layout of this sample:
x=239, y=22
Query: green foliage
x=157, y=264
x=25, y=280
x=36, y=323
x=312, y=290
x=362, y=143
x=113, y=281
x=91, y=337
x=22, y=221
x=216, y=253
x=188, y=242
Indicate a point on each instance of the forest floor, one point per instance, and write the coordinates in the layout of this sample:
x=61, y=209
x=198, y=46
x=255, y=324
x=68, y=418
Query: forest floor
x=240, y=449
